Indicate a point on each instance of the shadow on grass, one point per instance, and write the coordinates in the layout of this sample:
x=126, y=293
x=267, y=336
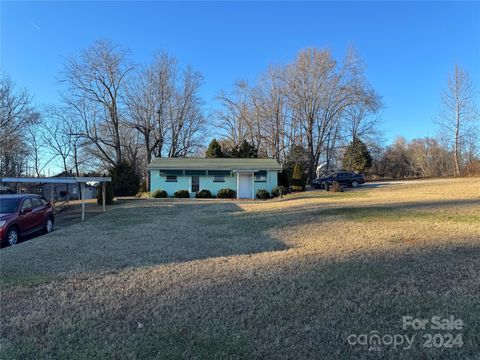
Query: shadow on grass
x=298, y=309
x=364, y=211
x=148, y=233
x=135, y=235
x=320, y=194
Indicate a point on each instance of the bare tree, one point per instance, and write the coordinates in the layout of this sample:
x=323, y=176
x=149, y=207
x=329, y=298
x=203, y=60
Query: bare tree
x=272, y=115
x=165, y=108
x=187, y=121
x=472, y=151
x=15, y=108
x=37, y=147
x=459, y=109
x=96, y=81
x=360, y=120
x=148, y=97
x=319, y=92
x=428, y=157
x=16, y=117
x=78, y=144
x=235, y=113
x=133, y=148
x=312, y=103
x=56, y=131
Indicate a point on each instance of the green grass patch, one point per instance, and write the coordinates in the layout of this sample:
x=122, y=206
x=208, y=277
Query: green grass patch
x=317, y=194
x=24, y=350
x=86, y=340
x=19, y=279
x=369, y=214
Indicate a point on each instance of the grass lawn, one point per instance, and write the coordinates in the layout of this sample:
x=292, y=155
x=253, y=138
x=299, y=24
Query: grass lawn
x=282, y=279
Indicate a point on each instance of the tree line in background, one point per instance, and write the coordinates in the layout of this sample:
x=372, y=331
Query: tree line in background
x=116, y=116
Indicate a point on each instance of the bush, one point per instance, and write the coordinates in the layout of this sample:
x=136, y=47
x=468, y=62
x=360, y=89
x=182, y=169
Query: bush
x=263, y=194
x=204, y=194
x=336, y=187
x=226, y=194
x=279, y=190
x=108, y=194
x=143, y=195
x=125, y=181
x=159, y=194
x=298, y=178
x=143, y=187
x=183, y=194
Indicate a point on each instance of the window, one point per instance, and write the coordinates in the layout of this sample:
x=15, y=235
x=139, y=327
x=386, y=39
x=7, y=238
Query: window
x=260, y=178
x=36, y=202
x=195, y=183
x=171, y=178
x=8, y=206
x=26, y=204
x=219, y=179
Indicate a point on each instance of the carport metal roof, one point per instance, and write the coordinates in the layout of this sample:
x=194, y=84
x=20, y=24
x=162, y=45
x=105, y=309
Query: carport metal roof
x=56, y=180
x=82, y=180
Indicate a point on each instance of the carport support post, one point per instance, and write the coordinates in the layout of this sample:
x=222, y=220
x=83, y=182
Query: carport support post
x=103, y=194
x=82, y=191
x=252, y=194
x=52, y=195
x=238, y=185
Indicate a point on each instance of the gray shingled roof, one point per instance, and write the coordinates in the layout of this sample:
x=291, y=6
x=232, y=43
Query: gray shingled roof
x=214, y=164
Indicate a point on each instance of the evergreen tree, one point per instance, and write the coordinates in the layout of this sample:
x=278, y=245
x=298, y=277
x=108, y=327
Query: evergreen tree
x=214, y=150
x=245, y=150
x=108, y=194
x=298, y=178
x=357, y=157
x=125, y=181
x=297, y=155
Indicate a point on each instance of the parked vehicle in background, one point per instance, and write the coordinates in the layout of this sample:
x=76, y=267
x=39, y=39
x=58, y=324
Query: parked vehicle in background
x=21, y=215
x=344, y=178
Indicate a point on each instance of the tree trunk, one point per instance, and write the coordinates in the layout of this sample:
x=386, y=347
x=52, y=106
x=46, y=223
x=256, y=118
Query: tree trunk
x=149, y=159
x=457, y=141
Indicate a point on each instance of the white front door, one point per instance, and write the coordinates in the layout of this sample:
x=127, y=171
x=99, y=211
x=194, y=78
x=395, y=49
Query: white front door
x=245, y=186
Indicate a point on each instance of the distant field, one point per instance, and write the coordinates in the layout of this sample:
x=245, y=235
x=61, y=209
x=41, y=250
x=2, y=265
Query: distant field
x=283, y=279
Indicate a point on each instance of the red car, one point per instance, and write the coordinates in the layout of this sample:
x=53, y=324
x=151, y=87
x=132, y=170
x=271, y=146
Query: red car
x=22, y=215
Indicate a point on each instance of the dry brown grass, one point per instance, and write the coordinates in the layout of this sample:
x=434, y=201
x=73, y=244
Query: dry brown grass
x=286, y=278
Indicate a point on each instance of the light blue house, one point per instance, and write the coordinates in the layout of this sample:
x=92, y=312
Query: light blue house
x=245, y=176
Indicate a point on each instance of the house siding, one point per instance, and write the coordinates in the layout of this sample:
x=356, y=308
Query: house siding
x=272, y=180
x=207, y=183
x=158, y=182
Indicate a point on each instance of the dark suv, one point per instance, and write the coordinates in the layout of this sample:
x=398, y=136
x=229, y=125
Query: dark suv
x=343, y=178
x=22, y=215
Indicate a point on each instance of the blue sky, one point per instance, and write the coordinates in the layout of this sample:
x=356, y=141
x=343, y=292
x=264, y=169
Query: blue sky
x=408, y=47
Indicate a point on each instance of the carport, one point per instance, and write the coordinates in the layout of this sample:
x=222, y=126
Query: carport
x=63, y=180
